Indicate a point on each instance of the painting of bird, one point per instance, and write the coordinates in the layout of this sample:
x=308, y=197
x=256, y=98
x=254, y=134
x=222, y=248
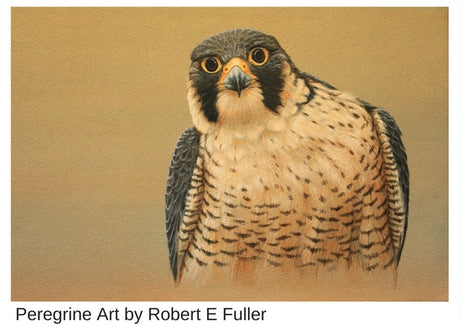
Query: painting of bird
x=281, y=173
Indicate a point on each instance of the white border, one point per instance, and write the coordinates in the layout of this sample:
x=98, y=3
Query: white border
x=309, y=313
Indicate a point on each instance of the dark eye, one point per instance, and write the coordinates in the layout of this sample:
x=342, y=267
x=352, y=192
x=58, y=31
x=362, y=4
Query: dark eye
x=258, y=56
x=211, y=65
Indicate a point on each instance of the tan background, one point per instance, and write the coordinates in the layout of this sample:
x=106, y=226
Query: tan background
x=99, y=100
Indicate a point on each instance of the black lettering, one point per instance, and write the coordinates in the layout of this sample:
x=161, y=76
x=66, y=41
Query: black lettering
x=108, y=315
x=57, y=316
x=211, y=315
x=173, y=314
x=153, y=312
x=228, y=313
x=20, y=312
x=243, y=314
x=133, y=315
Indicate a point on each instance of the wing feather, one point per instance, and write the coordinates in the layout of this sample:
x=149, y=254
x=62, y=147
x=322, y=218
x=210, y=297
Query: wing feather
x=178, y=184
x=390, y=134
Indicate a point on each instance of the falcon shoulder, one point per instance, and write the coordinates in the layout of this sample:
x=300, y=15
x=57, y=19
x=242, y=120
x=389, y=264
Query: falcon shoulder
x=178, y=185
x=396, y=173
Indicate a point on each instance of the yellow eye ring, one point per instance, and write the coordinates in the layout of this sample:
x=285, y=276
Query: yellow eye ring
x=258, y=56
x=211, y=65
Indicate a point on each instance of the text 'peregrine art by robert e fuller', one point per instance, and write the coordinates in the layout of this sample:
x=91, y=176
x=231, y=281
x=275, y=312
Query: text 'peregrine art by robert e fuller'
x=281, y=173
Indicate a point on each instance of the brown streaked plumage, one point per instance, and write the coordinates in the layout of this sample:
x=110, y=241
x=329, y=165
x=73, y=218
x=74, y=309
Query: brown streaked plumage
x=281, y=173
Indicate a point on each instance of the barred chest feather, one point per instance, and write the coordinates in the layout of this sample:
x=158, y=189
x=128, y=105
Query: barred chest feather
x=297, y=194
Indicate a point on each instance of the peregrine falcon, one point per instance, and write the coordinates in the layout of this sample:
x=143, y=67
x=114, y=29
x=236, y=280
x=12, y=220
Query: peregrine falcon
x=281, y=172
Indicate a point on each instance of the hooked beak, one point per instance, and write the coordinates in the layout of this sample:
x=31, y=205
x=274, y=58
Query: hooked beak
x=236, y=75
x=237, y=80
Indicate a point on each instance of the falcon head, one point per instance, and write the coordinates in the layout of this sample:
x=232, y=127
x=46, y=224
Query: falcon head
x=237, y=78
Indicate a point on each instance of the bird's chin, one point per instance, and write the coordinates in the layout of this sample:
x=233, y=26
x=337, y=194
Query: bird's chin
x=244, y=108
x=244, y=117
x=248, y=101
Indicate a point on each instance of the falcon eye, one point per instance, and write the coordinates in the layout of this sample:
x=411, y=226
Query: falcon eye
x=211, y=65
x=258, y=56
